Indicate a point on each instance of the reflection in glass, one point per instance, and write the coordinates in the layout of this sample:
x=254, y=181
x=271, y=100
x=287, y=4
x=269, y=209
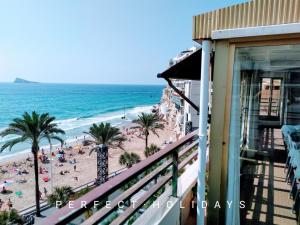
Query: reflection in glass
x=265, y=96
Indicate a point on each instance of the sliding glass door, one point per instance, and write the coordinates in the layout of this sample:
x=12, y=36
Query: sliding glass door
x=265, y=94
x=270, y=98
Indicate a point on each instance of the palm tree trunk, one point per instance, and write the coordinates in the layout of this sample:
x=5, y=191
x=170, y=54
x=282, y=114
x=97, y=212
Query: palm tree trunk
x=102, y=164
x=146, y=140
x=37, y=189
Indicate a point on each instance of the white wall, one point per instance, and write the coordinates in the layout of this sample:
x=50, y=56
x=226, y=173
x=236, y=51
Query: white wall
x=195, y=97
x=165, y=215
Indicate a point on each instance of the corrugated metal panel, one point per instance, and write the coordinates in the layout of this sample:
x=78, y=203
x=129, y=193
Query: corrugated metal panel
x=248, y=14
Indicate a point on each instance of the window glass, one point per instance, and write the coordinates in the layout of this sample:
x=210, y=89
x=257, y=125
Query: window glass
x=265, y=96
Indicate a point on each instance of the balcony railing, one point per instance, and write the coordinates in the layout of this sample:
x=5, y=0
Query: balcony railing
x=45, y=205
x=144, y=180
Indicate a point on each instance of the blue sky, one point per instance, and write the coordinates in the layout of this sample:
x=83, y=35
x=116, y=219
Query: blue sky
x=95, y=41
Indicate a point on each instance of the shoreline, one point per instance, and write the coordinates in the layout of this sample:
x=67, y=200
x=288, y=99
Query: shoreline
x=84, y=172
x=19, y=155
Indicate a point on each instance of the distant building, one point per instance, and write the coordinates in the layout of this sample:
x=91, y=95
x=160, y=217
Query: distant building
x=247, y=164
x=186, y=117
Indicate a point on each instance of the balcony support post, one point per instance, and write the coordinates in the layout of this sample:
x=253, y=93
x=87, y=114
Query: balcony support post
x=174, y=172
x=203, y=117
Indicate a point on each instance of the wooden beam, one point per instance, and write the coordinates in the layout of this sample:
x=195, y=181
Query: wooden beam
x=217, y=156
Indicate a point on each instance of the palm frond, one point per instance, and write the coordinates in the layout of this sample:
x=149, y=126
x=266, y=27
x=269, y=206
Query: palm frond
x=128, y=159
x=95, y=149
x=11, y=131
x=149, y=122
x=32, y=127
x=106, y=134
x=9, y=144
x=55, y=130
x=57, y=138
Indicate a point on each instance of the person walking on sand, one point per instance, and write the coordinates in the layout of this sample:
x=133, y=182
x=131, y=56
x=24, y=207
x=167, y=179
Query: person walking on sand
x=45, y=191
x=4, y=190
x=9, y=204
x=40, y=195
x=74, y=168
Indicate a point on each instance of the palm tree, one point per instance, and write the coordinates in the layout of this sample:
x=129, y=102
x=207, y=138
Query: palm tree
x=60, y=194
x=151, y=150
x=104, y=135
x=33, y=129
x=128, y=159
x=148, y=122
x=10, y=217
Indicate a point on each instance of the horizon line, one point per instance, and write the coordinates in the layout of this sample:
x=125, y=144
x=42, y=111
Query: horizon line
x=37, y=82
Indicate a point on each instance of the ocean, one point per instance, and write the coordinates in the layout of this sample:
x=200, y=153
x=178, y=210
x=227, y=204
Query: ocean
x=75, y=106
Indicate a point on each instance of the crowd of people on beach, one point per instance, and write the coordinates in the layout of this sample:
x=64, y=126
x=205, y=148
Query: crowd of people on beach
x=8, y=204
x=17, y=171
x=130, y=133
x=64, y=161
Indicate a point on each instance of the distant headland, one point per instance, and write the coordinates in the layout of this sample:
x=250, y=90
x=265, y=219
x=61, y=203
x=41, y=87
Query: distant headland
x=23, y=81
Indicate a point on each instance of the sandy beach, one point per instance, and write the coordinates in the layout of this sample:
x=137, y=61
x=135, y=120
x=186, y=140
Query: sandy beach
x=85, y=168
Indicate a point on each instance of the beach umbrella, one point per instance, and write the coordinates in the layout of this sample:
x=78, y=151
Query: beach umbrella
x=78, y=146
x=5, y=185
x=8, y=182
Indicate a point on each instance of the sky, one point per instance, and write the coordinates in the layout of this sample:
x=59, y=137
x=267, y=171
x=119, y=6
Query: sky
x=95, y=41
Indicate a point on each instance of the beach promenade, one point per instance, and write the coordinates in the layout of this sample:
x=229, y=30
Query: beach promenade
x=19, y=170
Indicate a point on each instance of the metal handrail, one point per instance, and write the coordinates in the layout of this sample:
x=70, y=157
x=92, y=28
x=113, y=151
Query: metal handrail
x=100, y=214
x=66, y=214
x=45, y=205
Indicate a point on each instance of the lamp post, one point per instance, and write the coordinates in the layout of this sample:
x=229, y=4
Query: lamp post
x=51, y=168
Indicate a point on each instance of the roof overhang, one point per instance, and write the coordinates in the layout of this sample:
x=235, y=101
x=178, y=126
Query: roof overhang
x=256, y=13
x=292, y=28
x=187, y=69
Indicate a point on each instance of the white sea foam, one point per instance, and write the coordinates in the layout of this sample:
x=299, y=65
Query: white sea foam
x=73, y=124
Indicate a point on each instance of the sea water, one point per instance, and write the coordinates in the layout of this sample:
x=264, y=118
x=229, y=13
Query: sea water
x=75, y=106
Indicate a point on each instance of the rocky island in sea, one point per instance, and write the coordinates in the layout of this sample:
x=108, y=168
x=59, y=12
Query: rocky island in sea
x=76, y=107
x=23, y=81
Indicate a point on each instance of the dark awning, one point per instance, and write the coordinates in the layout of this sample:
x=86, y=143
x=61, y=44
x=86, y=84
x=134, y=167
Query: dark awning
x=187, y=69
